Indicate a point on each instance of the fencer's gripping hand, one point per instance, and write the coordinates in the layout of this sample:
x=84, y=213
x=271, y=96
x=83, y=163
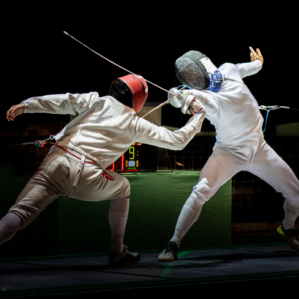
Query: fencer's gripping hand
x=207, y=100
x=256, y=55
x=192, y=106
x=195, y=107
x=176, y=97
x=15, y=111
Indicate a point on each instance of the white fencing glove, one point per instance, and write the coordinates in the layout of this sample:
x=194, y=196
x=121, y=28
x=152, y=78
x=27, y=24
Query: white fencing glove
x=176, y=96
x=192, y=106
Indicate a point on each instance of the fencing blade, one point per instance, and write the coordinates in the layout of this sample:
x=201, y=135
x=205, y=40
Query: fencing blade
x=115, y=63
x=158, y=107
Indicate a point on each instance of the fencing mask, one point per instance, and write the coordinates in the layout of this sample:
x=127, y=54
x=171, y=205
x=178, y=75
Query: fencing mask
x=131, y=90
x=196, y=70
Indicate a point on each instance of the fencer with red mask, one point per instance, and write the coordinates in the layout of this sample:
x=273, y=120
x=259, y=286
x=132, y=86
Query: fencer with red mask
x=103, y=129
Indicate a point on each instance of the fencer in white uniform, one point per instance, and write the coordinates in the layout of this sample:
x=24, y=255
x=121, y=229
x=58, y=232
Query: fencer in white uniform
x=240, y=144
x=103, y=129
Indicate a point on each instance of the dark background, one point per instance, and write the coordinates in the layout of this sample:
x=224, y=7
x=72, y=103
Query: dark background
x=146, y=38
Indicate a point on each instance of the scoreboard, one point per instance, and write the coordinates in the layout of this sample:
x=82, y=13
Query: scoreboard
x=138, y=158
x=132, y=159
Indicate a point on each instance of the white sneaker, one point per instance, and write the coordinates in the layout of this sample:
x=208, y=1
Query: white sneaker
x=170, y=253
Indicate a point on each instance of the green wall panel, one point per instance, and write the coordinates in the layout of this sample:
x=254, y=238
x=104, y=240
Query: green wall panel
x=70, y=226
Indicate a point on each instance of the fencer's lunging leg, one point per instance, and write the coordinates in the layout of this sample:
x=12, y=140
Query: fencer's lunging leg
x=220, y=167
x=9, y=225
x=118, y=216
x=290, y=216
x=189, y=214
x=270, y=167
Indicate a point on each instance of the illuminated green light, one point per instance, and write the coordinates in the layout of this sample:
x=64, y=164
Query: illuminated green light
x=167, y=270
x=132, y=152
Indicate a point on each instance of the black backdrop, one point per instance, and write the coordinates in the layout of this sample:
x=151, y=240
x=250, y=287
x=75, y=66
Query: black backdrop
x=146, y=38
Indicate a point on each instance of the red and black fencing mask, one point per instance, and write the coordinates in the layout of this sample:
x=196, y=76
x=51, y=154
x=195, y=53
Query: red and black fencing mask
x=131, y=90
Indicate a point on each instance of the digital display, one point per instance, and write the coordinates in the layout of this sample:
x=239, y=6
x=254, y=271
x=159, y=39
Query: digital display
x=138, y=157
x=131, y=163
x=132, y=160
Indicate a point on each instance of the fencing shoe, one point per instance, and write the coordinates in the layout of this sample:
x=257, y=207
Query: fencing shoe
x=170, y=253
x=124, y=258
x=292, y=236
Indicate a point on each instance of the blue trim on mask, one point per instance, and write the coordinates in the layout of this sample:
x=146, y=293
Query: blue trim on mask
x=185, y=86
x=216, y=81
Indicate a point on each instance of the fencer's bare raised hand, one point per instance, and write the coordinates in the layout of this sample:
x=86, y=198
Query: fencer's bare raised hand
x=15, y=111
x=256, y=55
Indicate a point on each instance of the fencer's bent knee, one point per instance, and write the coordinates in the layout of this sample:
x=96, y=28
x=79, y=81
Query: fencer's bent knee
x=25, y=212
x=202, y=192
x=198, y=197
x=291, y=194
x=127, y=187
x=289, y=207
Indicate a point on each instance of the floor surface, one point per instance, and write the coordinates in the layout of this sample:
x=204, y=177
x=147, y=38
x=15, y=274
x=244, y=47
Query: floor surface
x=65, y=273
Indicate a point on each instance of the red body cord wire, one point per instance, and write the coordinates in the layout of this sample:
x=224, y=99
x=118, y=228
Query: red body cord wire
x=71, y=153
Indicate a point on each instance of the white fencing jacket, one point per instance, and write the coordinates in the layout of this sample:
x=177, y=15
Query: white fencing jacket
x=104, y=128
x=233, y=110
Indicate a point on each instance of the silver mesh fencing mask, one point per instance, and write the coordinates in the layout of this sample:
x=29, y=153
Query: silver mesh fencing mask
x=193, y=68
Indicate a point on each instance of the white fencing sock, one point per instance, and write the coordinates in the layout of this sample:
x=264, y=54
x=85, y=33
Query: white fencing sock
x=290, y=215
x=118, y=216
x=9, y=225
x=189, y=214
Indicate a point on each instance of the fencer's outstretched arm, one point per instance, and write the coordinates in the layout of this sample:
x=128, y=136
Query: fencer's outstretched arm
x=149, y=133
x=67, y=103
x=251, y=68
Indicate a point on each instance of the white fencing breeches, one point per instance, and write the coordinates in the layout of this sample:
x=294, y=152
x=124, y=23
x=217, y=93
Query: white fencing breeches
x=266, y=164
x=271, y=168
x=61, y=174
x=9, y=225
x=223, y=164
x=220, y=167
